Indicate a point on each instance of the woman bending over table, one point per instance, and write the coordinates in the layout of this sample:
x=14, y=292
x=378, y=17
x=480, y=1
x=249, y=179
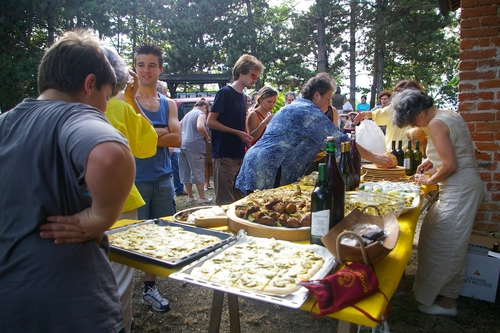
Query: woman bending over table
x=292, y=139
x=445, y=231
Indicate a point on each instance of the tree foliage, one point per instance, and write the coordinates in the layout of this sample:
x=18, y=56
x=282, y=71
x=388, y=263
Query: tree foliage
x=392, y=39
x=415, y=42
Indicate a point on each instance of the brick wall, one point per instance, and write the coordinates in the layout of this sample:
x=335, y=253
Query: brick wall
x=479, y=99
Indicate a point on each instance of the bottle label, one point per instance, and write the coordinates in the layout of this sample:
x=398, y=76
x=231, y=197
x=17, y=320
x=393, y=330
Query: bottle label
x=320, y=223
x=407, y=163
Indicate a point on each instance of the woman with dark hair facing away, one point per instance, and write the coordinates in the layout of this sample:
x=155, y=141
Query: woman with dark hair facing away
x=338, y=100
x=261, y=115
x=292, y=139
x=445, y=231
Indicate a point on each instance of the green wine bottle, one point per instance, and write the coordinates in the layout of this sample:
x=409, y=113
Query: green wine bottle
x=400, y=153
x=408, y=162
x=335, y=182
x=321, y=207
x=345, y=167
x=355, y=160
x=417, y=157
x=393, y=150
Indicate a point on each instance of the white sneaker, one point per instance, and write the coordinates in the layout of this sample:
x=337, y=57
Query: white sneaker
x=157, y=301
x=206, y=200
x=190, y=199
x=435, y=309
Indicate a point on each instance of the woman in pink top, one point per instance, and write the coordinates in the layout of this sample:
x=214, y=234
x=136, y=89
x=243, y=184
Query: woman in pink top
x=261, y=115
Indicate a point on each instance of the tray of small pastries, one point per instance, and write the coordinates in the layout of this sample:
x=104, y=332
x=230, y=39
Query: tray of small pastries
x=166, y=243
x=281, y=213
x=260, y=268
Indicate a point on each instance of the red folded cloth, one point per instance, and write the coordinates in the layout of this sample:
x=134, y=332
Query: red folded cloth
x=346, y=287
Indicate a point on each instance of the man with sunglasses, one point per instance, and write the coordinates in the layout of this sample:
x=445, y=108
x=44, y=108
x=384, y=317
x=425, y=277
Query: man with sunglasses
x=227, y=121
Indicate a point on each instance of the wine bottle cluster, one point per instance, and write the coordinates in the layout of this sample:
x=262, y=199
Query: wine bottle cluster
x=413, y=158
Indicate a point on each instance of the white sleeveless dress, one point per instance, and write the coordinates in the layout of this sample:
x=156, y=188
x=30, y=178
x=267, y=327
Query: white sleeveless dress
x=445, y=231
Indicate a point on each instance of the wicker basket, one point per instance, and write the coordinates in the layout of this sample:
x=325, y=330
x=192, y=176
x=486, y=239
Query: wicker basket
x=375, y=251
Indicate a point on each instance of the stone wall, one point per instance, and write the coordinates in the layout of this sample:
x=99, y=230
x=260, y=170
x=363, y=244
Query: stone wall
x=479, y=100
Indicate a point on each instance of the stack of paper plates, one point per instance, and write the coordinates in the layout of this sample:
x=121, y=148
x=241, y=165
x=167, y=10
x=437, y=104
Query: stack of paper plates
x=371, y=173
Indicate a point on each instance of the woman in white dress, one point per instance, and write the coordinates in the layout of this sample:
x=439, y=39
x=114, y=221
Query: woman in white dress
x=446, y=229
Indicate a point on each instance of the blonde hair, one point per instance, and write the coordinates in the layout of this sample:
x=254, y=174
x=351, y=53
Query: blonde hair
x=264, y=92
x=244, y=64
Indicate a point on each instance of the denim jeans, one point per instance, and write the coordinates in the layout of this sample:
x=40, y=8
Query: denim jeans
x=159, y=198
x=178, y=186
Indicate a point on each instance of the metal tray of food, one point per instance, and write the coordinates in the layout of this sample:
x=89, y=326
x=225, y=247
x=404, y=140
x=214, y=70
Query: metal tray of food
x=293, y=300
x=225, y=239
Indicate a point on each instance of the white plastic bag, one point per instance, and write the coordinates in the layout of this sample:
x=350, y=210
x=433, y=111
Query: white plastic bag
x=370, y=137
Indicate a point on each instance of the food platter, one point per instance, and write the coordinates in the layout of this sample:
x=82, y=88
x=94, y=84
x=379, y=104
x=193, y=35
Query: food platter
x=292, y=300
x=383, y=202
x=236, y=224
x=203, y=216
x=407, y=190
x=224, y=239
x=414, y=204
x=281, y=213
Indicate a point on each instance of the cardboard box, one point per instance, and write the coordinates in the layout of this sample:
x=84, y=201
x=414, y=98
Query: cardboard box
x=485, y=241
x=482, y=273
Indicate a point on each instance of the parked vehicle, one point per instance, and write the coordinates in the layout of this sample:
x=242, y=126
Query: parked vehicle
x=184, y=105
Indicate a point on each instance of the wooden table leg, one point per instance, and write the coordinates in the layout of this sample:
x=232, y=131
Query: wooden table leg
x=216, y=313
x=346, y=327
x=234, y=313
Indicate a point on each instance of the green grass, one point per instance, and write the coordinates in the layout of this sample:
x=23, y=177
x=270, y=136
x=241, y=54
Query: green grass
x=181, y=201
